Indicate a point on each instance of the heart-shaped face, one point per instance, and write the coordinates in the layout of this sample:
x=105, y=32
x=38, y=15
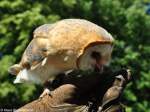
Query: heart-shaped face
x=95, y=56
x=65, y=45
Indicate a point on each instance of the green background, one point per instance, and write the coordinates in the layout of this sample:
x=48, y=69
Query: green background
x=127, y=20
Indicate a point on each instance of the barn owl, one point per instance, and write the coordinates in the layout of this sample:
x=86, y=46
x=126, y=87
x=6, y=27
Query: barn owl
x=65, y=45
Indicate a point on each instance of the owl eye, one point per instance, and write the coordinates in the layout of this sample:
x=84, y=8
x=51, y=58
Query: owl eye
x=95, y=55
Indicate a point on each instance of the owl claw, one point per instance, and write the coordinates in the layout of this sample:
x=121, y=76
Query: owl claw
x=45, y=92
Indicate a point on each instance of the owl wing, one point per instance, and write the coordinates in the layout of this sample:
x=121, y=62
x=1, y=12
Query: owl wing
x=37, y=51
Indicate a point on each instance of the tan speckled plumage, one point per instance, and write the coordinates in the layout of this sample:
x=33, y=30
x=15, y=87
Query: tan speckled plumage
x=66, y=45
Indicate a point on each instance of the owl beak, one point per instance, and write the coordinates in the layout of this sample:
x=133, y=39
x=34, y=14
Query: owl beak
x=98, y=67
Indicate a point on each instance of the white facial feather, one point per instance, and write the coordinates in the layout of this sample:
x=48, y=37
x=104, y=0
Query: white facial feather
x=87, y=62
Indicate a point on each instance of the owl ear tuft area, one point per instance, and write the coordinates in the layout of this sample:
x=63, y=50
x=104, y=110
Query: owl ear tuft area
x=14, y=69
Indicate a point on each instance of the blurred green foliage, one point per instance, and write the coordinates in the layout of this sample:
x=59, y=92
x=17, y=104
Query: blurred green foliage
x=126, y=20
